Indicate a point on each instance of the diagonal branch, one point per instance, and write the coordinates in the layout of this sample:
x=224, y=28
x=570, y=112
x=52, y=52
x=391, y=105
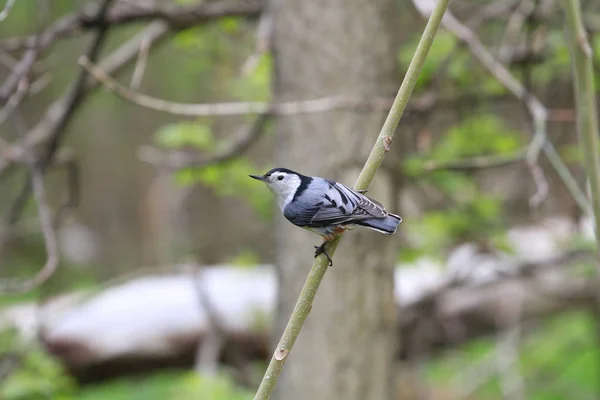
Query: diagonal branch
x=232, y=108
x=207, y=354
x=374, y=161
x=77, y=91
x=6, y=10
x=476, y=162
x=50, y=242
x=513, y=29
x=19, y=72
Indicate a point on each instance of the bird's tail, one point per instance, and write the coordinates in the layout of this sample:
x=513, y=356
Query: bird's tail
x=387, y=225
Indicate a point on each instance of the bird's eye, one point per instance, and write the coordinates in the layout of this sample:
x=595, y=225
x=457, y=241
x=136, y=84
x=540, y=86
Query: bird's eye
x=280, y=178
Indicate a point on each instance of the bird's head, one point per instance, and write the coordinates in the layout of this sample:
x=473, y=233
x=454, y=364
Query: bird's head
x=282, y=182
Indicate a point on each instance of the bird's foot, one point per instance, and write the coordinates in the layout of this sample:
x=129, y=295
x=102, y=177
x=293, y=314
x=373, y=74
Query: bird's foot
x=362, y=191
x=321, y=250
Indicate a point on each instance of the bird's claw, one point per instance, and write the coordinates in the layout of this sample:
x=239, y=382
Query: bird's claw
x=321, y=250
x=362, y=191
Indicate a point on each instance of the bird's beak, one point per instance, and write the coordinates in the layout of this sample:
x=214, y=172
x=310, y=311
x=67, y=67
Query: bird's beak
x=260, y=178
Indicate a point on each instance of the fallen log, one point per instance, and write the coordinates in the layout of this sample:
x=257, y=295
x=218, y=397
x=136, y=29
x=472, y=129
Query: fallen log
x=158, y=321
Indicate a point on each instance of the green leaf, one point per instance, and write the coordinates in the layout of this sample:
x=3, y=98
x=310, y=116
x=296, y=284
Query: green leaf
x=246, y=258
x=255, y=86
x=231, y=179
x=229, y=24
x=479, y=135
x=571, y=153
x=219, y=387
x=37, y=376
x=413, y=165
x=186, y=134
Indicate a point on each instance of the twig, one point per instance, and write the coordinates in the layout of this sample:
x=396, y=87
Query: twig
x=181, y=159
x=491, y=11
x=374, y=161
x=264, y=34
x=6, y=10
x=513, y=28
x=50, y=243
x=68, y=161
x=77, y=91
x=507, y=353
x=207, y=354
x=19, y=72
x=140, y=65
x=567, y=178
x=477, y=162
x=14, y=100
x=23, y=89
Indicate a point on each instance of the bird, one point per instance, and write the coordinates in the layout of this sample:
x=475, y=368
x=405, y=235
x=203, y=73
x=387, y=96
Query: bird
x=326, y=207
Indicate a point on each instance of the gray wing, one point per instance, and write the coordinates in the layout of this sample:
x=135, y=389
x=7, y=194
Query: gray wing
x=333, y=204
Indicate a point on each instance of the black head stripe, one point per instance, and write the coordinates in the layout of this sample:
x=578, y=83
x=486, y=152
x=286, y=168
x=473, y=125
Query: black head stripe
x=287, y=171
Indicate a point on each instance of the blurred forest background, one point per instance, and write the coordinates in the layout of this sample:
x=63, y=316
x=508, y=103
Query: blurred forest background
x=160, y=270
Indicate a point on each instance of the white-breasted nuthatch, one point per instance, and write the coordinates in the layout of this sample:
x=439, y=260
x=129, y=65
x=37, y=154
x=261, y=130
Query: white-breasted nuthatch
x=324, y=206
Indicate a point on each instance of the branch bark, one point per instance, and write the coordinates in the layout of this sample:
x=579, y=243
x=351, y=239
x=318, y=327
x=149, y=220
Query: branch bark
x=50, y=242
x=232, y=108
x=375, y=159
x=585, y=101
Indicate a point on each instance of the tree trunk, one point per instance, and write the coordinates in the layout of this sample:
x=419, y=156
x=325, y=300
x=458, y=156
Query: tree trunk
x=336, y=48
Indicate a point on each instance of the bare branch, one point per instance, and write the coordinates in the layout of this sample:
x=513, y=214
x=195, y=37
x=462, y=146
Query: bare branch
x=207, y=355
x=14, y=100
x=77, y=91
x=264, y=37
x=19, y=72
x=507, y=351
x=233, y=108
x=6, y=10
x=491, y=11
x=51, y=245
x=140, y=65
x=477, y=162
x=513, y=28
